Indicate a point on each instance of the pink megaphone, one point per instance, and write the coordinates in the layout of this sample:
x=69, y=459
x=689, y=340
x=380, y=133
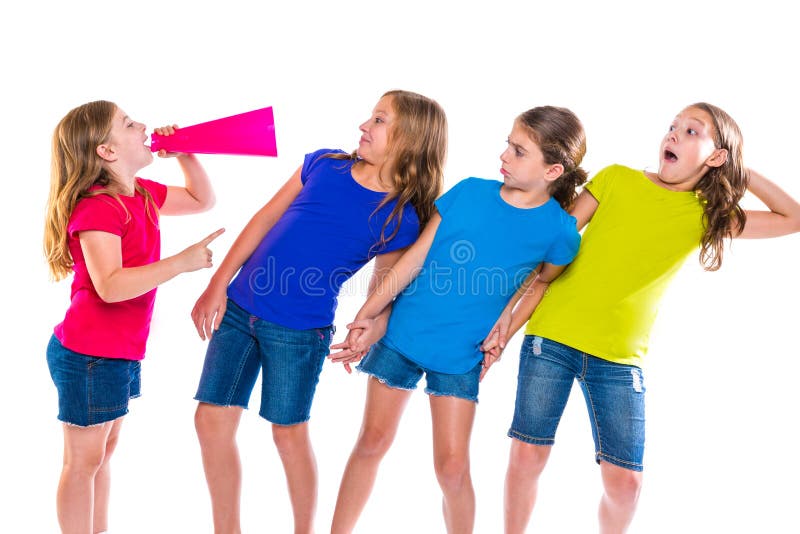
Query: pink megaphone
x=247, y=134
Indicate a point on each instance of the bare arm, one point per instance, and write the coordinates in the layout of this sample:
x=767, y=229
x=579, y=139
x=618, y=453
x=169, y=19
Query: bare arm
x=402, y=273
x=364, y=332
x=584, y=208
x=210, y=307
x=783, y=216
x=197, y=194
x=115, y=283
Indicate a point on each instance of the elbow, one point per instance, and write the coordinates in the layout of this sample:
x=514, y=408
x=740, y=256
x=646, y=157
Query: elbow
x=108, y=295
x=207, y=203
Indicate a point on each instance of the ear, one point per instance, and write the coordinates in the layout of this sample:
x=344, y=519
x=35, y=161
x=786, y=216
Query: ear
x=717, y=158
x=106, y=152
x=553, y=172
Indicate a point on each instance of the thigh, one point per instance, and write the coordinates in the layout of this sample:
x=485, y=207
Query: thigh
x=615, y=399
x=291, y=362
x=91, y=390
x=546, y=372
x=390, y=367
x=463, y=386
x=232, y=361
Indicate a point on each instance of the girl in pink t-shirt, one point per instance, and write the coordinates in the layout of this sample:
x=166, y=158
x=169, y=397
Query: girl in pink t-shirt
x=102, y=224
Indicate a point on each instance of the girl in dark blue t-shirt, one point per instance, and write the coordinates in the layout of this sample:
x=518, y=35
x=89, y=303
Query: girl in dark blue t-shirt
x=335, y=213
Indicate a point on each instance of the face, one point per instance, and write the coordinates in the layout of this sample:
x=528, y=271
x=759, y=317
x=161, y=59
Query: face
x=688, y=150
x=523, y=163
x=374, y=143
x=127, y=143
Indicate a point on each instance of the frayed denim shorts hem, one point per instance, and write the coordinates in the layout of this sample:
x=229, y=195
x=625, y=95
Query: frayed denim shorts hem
x=91, y=390
x=394, y=370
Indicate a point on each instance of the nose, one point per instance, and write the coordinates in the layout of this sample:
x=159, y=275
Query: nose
x=504, y=155
x=673, y=136
x=363, y=126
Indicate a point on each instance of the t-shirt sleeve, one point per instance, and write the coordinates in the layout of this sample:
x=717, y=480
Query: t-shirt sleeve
x=565, y=246
x=313, y=160
x=157, y=190
x=446, y=201
x=600, y=184
x=102, y=213
x=407, y=234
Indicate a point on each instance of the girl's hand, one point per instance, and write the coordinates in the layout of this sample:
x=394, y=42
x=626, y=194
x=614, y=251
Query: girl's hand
x=167, y=130
x=362, y=335
x=495, y=341
x=198, y=256
x=209, y=310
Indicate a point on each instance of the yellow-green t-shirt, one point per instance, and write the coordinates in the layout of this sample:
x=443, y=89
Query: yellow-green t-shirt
x=606, y=301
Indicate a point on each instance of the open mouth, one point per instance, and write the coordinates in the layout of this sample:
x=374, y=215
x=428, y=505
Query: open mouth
x=670, y=156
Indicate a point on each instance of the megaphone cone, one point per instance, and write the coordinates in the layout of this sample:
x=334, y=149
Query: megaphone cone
x=249, y=134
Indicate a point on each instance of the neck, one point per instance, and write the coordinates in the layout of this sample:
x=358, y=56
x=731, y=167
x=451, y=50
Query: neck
x=521, y=198
x=122, y=183
x=371, y=176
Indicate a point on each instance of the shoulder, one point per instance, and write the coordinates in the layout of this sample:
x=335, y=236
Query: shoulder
x=156, y=189
x=321, y=159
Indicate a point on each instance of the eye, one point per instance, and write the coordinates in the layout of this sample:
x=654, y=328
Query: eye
x=671, y=128
x=691, y=131
x=378, y=120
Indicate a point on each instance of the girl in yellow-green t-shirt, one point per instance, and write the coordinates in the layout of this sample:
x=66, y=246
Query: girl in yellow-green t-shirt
x=594, y=323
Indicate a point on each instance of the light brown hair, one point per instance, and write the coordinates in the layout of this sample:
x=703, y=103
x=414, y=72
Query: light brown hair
x=562, y=140
x=721, y=189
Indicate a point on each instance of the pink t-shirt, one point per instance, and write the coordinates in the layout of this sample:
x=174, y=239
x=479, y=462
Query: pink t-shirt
x=119, y=329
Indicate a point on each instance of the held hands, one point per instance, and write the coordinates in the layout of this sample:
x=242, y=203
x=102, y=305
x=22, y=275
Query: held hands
x=495, y=342
x=363, y=333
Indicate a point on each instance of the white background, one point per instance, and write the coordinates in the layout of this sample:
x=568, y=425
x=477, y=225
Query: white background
x=721, y=455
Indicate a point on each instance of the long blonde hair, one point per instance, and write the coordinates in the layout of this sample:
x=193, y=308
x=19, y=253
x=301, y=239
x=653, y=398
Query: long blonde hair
x=75, y=169
x=418, y=148
x=721, y=189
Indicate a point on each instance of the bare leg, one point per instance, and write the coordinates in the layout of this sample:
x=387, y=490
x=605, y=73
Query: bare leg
x=525, y=464
x=452, y=419
x=300, y=466
x=216, y=429
x=84, y=451
x=622, y=487
x=384, y=407
x=102, y=480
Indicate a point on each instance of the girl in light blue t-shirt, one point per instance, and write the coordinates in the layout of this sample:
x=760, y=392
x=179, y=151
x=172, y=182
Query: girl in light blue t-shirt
x=486, y=238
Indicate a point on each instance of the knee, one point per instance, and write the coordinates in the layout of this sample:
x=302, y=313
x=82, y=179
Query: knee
x=373, y=443
x=528, y=459
x=290, y=439
x=211, y=424
x=622, y=486
x=452, y=471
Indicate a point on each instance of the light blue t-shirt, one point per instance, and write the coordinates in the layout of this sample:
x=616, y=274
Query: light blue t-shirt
x=483, y=250
x=329, y=232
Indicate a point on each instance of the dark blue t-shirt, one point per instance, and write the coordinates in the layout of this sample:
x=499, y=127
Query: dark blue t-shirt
x=327, y=234
x=483, y=250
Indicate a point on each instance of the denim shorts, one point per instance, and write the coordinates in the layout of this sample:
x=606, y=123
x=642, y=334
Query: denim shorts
x=614, y=396
x=91, y=390
x=290, y=362
x=396, y=371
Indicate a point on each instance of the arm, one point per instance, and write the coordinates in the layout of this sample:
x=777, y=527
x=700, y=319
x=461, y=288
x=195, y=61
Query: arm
x=115, y=283
x=365, y=332
x=402, y=273
x=517, y=312
x=783, y=216
x=584, y=208
x=210, y=307
x=197, y=194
